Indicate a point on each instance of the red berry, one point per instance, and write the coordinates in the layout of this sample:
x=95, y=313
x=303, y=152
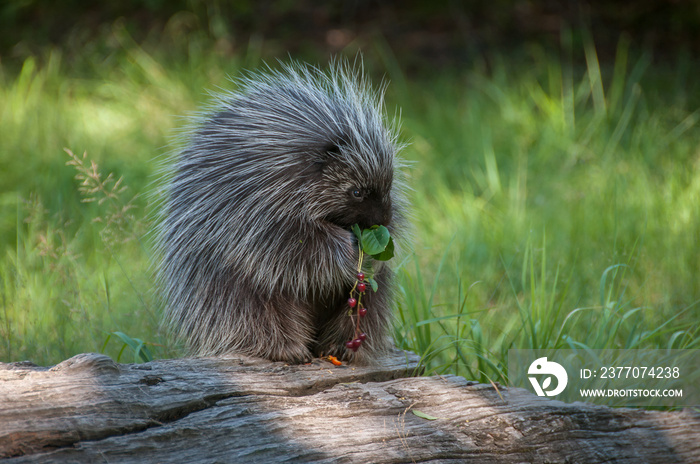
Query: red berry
x=356, y=343
x=350, y=345
x=352, y=302
x=362, y=311
x=360, y=276
x=361, y=287
x=362, y=336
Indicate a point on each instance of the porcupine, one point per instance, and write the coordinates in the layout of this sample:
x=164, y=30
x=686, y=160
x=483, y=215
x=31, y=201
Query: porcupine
x=257, y=253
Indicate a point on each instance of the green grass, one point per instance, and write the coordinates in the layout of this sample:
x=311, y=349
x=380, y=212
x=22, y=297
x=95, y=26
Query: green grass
x=570, y=201
x=556, y=201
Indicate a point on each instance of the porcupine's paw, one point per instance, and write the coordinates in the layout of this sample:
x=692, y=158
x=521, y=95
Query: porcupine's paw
x=343, y=353
x=332, y=340
x=337, y=350
x=292, y=353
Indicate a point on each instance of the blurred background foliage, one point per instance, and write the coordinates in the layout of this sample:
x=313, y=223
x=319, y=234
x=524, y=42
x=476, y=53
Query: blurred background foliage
x=417, y=30
x=555, y=150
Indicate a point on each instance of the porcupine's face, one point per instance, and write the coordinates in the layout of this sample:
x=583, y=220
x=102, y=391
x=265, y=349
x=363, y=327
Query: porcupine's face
x=356, y=192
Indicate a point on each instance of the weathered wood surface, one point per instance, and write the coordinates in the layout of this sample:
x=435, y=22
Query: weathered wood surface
x=89, y=409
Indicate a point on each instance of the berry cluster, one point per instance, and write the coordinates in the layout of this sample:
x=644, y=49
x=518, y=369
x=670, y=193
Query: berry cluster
x=360, y=287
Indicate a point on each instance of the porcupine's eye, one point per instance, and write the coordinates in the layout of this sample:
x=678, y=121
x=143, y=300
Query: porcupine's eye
x=358, y=194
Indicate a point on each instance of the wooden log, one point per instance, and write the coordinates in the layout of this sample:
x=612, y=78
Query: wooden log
x=239, y=409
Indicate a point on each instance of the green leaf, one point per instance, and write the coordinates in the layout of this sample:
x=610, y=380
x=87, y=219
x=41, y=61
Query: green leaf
x=127, y=340
x=388, y=252
x=423, y=415
x=142, y=353
x=137, y=346
x=372, y=283
x=358, y=233
x=375, y=240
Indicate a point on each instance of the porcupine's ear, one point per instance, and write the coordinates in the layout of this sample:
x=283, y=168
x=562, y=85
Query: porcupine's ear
x=325, y=156
x=331, y=151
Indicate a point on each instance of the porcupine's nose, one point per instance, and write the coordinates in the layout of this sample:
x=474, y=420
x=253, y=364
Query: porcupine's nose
x=376, y=214
x=383, y=216
x=386, y=220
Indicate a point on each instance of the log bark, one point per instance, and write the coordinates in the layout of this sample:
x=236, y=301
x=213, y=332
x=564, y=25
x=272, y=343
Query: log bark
x=239, y=409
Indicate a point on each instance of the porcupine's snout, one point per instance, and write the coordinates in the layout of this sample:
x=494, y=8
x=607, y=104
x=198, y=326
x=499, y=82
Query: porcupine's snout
x=375, y=213
x=381, y=216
